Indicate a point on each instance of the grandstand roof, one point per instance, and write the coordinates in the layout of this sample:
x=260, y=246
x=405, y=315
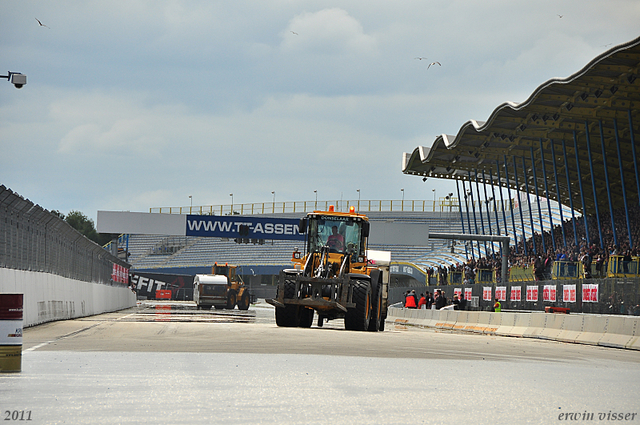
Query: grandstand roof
x=595, y=109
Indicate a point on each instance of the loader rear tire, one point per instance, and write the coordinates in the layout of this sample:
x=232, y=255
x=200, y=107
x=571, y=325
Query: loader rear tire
x=289, y=315
x=357, y=319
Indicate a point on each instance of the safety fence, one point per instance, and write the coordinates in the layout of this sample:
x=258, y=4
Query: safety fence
x=33, y=239
x=597, y=296
x=604, y=330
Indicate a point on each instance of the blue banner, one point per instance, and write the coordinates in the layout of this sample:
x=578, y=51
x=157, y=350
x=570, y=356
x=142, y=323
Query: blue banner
x=236, y=226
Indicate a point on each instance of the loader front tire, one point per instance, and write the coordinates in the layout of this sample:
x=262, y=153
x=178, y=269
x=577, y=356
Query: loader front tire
x=232, y=298
x=289, y=315
x=306, y=317
x=358, y=318
x=376, y=314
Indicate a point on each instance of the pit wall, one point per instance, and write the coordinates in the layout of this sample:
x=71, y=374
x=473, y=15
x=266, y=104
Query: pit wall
x=49, y=297
x=604, y=330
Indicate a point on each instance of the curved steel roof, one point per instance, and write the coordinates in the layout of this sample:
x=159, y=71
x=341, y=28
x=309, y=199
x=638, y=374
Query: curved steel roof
x=594, y=112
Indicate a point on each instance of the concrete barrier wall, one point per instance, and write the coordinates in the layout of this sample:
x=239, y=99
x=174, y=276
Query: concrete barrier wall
x=48, y=297
x=609, y=331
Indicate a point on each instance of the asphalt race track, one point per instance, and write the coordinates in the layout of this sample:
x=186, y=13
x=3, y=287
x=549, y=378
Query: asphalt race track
x=170, y=363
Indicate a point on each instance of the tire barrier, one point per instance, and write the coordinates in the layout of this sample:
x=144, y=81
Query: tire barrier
x=10, y=332
x=607, y=331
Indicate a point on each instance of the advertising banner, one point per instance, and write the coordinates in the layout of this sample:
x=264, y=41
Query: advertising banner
x=569, y=293
x=590, y=293
x=468, y=293
x=486, y=293
x=243, y=227
x=120, y=274
x=501, y=293
x=407, y=269
x=146, y=285
x=549, y=293
x=516, y=293
x=532, y=293
x=458, y=292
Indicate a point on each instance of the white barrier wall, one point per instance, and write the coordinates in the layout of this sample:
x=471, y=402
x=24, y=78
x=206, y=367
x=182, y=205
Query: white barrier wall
x=49, y=297
x=611, y=331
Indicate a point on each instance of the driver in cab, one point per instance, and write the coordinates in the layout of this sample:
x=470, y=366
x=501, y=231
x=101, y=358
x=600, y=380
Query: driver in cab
x=335, y=240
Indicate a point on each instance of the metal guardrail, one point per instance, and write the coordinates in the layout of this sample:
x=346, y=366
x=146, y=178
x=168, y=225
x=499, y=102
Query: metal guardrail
x=442, y=205
x=439, y=205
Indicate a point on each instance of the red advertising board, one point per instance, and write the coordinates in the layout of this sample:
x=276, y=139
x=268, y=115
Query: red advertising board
x=532, y=293
x=467, y=294
x=549, y=293
x=486, y=293
x=569, y=293
x=590, y=293
x=516, y=293
x=457, y=291
x=501, y=293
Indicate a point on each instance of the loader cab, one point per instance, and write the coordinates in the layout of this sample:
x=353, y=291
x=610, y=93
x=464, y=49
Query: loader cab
x=339, y=234
x=226, y=270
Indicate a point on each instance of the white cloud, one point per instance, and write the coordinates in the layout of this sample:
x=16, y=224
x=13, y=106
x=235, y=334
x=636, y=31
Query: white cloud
x=133, y=104
x=108, y=124
x=330, y=32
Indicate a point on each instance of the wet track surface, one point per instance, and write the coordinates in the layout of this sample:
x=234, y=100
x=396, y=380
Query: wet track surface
x=188, y=312
x=169, y=363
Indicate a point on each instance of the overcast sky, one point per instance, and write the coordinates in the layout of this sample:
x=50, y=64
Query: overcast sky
x=137, y=104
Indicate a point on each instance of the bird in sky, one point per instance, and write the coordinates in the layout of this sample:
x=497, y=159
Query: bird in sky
x=434, y=63
x=420, y=58
x=41, y=24
x=560, y=16
x=293, y=32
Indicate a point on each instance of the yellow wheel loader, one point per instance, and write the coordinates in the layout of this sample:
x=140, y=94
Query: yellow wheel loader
x=335, y=276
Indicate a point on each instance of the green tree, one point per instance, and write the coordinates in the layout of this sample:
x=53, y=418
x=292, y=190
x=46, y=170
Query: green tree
x=84, y=225
x=58, y=214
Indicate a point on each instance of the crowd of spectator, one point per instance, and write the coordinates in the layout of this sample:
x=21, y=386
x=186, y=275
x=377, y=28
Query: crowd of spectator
x=532, y=255
x=435, y=301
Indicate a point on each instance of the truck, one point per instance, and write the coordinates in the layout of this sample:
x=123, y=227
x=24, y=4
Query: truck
x=223, y=289
x=335, y=277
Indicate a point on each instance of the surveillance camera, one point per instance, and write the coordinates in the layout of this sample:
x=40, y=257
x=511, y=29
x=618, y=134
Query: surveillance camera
x=18, y=80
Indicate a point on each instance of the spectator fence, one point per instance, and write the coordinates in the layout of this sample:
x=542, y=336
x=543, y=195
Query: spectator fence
x=34, y=239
